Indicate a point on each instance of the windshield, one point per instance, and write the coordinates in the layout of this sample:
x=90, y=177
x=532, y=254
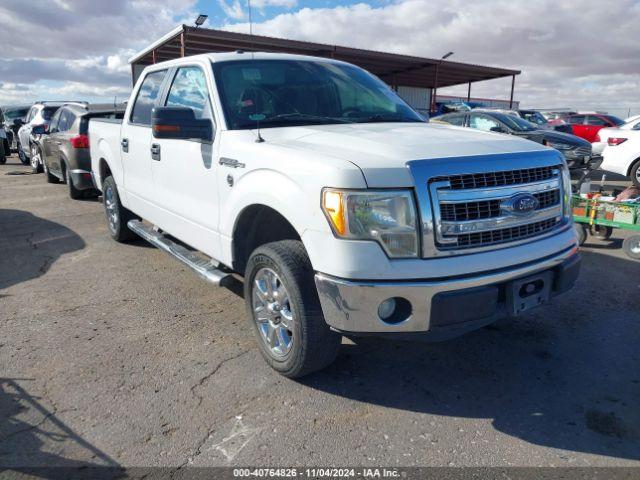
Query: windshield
x=12, y=114
x=47, y=112
x=515, y=123
x=280, y=93
x=534, y=117
x=615, y=120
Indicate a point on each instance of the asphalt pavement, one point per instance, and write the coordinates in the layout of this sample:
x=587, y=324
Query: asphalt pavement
x=115, y=354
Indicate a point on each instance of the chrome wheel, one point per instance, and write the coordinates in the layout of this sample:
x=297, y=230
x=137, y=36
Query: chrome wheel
x=35, y=157
x=272, y=312
x=111, y=209
x=638, y=176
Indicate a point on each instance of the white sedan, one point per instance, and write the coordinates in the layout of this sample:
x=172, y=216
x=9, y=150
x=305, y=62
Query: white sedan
x=621, y=151
x=631, y=123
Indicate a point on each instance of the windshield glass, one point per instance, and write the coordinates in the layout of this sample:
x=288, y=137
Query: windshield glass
x=280, y=93
x=515, y=123
x=47, y=112
x=615, y=120
x=534, y=117
x=12, y=114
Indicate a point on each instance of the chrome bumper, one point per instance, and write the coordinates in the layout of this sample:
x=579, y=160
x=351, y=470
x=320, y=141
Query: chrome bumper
x=352, y=306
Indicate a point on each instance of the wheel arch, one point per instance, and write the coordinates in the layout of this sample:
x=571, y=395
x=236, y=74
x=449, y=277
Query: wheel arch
x=258, y=224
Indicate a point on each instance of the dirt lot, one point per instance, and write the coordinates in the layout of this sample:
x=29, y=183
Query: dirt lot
x=116, y=354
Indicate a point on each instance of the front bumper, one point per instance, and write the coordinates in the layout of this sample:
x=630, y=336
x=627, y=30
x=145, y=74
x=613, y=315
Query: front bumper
x=440, y=308
x=82, y=179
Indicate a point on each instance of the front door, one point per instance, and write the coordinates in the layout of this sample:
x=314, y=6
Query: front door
x=49, y=149
x=135, y=147
x=185, y=171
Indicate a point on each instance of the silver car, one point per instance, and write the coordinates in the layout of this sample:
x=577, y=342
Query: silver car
x=40, y=113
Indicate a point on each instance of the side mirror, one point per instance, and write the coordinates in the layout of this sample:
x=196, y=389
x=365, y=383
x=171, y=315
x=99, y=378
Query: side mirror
x=39, y=130
x=180, y=123
x=18, y=122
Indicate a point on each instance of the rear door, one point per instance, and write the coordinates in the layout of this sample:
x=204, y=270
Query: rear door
x=135, y=145
x=185, y=171
x=49, y=148
x=577, y=124
x=593, y=125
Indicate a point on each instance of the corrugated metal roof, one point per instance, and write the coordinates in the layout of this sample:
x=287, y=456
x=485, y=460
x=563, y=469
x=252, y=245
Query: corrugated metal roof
x=393, y=68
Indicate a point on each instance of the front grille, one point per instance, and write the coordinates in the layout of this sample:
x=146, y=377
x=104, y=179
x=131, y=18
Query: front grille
x=499, y=179
x=462, y=212
x=494, y=237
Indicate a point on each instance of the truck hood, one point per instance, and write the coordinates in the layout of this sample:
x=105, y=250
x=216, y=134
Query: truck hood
x=381, y=150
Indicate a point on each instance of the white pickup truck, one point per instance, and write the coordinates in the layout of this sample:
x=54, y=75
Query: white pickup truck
x=343, y=210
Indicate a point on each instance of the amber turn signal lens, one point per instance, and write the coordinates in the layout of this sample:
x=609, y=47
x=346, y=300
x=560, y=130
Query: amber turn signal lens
x=334, y=208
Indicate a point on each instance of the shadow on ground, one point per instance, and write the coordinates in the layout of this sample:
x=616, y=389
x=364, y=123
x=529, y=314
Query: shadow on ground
x=570, y=380
x=30, y=245
x=26, y=426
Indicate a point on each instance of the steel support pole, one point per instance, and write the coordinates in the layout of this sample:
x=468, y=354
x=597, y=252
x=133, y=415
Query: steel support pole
x=469, y=93
x=513, y=85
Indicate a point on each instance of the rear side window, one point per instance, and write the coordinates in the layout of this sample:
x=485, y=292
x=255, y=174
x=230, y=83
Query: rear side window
x=146, y=99
x=576, y=120
x=66, y=121
x=189, y=89
x=592, y=120
x=614, y=120
x=47, y=112
x=457, y=120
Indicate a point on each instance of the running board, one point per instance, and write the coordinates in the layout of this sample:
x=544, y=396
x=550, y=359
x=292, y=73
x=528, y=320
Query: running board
x=204, y=268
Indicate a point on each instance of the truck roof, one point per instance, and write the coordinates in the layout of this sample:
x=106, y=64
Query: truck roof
x=242, y=55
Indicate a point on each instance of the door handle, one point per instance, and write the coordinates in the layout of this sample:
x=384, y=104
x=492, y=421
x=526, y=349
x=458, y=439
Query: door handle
x=58, y=142
x=155, y=152
x=231, y=162
x=125, y=144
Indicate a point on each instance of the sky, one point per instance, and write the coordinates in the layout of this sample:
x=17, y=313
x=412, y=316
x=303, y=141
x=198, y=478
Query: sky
x=581, y=54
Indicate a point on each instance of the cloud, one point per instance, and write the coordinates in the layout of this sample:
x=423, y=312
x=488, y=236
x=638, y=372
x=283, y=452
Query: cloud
x=570, y=54
x=233, y=9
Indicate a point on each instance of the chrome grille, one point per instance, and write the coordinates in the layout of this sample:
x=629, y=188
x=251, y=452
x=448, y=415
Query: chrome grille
x=498, y=179
x=494, y=237
x=475, y=211
x=462, y=212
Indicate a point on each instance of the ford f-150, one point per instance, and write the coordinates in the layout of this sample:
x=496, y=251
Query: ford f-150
x=345, y=213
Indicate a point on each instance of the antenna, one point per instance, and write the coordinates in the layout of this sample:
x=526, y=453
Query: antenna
x=259, y=139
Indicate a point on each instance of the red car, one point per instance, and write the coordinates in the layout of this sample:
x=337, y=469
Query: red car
x=587, y=125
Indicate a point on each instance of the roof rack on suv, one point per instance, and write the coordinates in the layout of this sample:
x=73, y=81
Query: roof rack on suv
x=62, y=102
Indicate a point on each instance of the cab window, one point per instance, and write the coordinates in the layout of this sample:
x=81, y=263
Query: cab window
x=53, y=127
x=482, y=122
x=189, y=89
x=146, y=98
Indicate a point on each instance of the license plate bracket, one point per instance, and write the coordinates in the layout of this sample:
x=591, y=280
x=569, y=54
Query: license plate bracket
x=529, y=292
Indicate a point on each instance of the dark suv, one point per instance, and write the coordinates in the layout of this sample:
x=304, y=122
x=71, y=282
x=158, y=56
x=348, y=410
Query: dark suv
x=64, y=149
x=14, y=117
x=576, y=151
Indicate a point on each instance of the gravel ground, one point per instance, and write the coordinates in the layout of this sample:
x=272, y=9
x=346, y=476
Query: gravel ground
x=117, y=355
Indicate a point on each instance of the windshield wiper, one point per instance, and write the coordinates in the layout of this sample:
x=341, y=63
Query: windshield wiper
x=307, y=116
x=381, y=119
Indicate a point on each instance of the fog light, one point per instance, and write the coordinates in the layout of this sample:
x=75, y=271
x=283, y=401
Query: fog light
x=386, y=308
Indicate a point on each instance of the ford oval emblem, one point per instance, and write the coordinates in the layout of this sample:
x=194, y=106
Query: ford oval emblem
x=521, y=204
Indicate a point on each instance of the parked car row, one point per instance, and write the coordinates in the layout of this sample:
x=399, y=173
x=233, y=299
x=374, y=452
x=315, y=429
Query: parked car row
x=53, y=138
x=576, y=151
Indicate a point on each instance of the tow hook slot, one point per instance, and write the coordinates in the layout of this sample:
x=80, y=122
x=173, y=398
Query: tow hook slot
x=527, y=293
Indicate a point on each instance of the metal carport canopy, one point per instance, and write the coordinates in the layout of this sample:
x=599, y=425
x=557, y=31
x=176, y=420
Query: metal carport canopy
x=393, y=68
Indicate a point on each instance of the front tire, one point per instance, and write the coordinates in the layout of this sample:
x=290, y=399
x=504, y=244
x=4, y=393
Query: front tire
x=635, y=174
x=23, y=158
x=117, y=214
x=284, y=310
x=36, y=159
x=631, y=246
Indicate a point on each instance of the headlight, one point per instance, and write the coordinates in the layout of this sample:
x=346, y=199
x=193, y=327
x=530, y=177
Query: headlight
x=566, y=190
x=386, y=217
x=559, y=146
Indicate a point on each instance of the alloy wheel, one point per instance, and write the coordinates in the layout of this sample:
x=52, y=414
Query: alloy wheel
x=272, y=312
x=35, y=157
x=111, y=209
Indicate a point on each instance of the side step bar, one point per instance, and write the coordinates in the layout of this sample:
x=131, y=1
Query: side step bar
x=204, y=268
